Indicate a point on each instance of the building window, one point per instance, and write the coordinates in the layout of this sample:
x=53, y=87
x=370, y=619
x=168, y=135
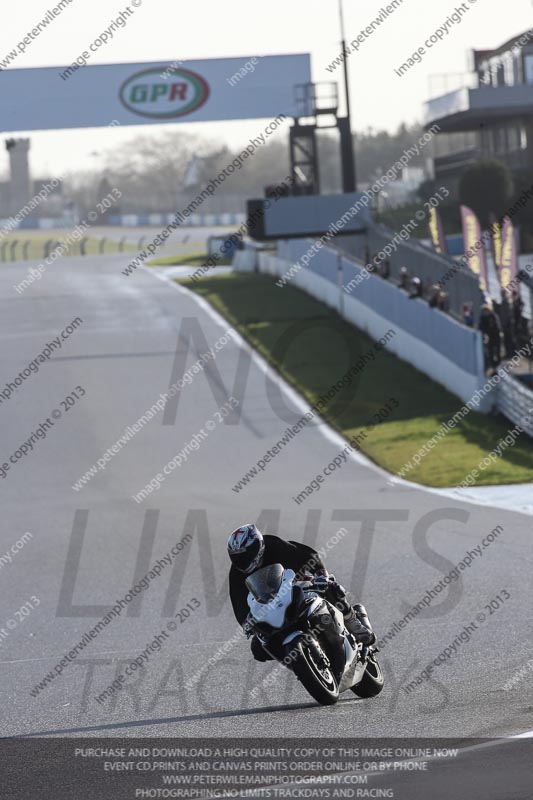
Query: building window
x=513, y=138
x=528, y=69
x=484, y=74
x=508, y=72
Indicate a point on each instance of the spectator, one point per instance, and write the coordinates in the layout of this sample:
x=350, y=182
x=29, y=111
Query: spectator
x=416, y=288
x=505, y=313
x=518, y=321
x=372, y=264
x=404, y=279
x=385, y=269
x=433, y=299
x=490, y=327
x=370, y=267
x=443, y=301
x=468, y=315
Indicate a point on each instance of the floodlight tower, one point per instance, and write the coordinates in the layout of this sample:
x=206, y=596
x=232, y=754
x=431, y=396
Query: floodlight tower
x=20, y=183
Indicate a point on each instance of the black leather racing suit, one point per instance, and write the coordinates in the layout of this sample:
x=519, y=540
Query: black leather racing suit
x=292, y=555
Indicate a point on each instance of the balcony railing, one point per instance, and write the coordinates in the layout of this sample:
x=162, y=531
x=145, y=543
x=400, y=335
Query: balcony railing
x=446, y=105
x=467, y=108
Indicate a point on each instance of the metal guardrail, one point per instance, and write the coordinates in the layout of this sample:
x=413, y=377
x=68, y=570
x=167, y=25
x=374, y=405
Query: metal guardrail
x=19, y=249
x=515, y=401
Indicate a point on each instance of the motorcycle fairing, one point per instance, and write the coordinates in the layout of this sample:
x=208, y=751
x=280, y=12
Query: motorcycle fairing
x=273, y=612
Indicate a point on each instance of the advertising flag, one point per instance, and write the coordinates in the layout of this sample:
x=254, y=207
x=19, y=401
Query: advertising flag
x=436, y=232
x=496, y=241
x=509, y=256
x=474, y=246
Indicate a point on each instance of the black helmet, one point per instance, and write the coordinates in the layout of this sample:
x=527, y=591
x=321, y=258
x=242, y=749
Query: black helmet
x=246, y=547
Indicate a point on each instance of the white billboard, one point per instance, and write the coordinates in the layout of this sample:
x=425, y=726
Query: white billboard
x=94, y=96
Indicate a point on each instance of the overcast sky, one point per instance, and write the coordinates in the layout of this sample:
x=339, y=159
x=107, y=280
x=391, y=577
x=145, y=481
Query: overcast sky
x=167, y=30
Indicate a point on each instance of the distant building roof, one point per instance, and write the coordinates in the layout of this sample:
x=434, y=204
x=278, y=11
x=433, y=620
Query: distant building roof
x=482, y=55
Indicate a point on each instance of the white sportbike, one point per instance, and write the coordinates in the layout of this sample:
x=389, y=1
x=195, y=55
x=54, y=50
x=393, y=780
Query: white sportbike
x=298, y=627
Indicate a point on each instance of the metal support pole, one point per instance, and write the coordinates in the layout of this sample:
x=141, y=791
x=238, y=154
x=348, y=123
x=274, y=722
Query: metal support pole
x=349, y=170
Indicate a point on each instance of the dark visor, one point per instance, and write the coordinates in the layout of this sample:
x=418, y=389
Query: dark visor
x=243, y=560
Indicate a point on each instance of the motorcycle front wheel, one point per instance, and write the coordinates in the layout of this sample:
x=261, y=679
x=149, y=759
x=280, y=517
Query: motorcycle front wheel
x=309, y=666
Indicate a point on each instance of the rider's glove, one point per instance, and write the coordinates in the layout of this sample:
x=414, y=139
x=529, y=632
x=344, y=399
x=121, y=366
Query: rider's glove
x=321, y=583
x=248, y=628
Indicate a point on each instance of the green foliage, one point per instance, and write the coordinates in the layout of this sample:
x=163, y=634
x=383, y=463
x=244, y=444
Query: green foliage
x=486, y=186
x=377, y=151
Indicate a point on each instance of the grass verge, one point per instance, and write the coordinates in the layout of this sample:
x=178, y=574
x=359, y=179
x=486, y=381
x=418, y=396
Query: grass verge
x=186, y=260
x=313, y=347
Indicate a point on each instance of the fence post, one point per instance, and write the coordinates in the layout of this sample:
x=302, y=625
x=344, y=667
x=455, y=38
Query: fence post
x=102, y=246
x=25, y=249
x=83, y=243
x=340, y=280
x=121, y=244
x=4, y=245
x=13, y=249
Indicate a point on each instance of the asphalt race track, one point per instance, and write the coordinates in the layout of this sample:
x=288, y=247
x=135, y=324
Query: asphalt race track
x=399, y=541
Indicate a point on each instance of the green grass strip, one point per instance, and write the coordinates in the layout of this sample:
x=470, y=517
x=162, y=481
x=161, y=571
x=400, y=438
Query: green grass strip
x=186, y=260
x=313, y=347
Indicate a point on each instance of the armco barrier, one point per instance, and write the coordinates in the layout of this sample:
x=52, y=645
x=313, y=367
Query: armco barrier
x=430, y=340
x=194, y=221
x=515, y=402
x=134, y=221
x=23, y=249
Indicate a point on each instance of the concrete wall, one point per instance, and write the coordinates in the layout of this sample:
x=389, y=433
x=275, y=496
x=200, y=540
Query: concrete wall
x=430, y=340
x=461, y=285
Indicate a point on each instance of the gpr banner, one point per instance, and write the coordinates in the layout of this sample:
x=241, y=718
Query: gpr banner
x=151, y=93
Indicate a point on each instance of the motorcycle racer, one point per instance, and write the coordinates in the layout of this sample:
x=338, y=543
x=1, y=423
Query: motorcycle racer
x=249, y=550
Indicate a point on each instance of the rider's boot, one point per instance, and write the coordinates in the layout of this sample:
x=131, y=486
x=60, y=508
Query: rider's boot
x=358, y=624
x=355, y=619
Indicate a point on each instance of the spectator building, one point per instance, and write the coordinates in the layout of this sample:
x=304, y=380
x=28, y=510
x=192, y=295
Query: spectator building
x=489, y=116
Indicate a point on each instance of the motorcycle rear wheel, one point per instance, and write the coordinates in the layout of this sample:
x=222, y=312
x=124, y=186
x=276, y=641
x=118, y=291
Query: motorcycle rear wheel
x=371, y=684
x=317, y=678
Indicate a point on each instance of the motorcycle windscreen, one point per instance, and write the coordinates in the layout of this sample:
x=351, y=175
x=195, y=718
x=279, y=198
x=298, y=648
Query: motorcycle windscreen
x=265, y=583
